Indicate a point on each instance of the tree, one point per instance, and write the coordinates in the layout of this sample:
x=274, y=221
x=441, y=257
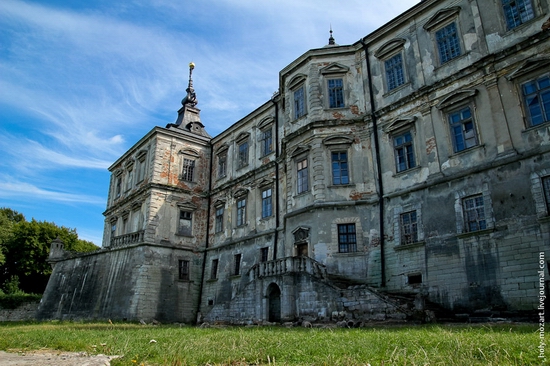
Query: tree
x=8, y=218
x=26, y=247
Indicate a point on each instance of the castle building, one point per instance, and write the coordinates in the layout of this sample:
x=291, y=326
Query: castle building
x=412, y=164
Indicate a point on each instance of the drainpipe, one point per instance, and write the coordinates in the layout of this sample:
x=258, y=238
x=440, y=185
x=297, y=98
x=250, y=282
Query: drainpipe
x=277, y=208
x=378, y=168
x=208, y=210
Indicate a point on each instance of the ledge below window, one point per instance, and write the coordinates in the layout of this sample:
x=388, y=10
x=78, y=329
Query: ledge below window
x=410, y=245
x=475, y=233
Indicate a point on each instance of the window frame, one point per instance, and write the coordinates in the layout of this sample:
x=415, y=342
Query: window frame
x=183, y=270
x=403, y=147
x=188, y=169
x=142, y=164
x=214, y=264
x=267, y=202
x=241, y=211
x=335, y=94
x=472, y=213
x=266, y=141
x=461, y=123
x=446, y=40
x=543, y=105
x=264, y=254
x=299, y=105
x=506, y=13
x=187, y=216
x=347, y=240
x=218, y=220
x=400, y=68
x=243, y=152
x=409, y=229
x=237, y=258
x=302, y=175
x=339, y=162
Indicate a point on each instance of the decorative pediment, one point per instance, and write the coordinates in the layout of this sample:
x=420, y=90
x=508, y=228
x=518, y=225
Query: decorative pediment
x=399, y=123
x=335, y=68
x=240, y=193
x=219, y=203
x=267, y=121
x=457, y=97
x=390, y=47
x=301, y=149
x=529, y=66
x=222, y=149
x=300, y=234
x=187, y=206
x=264, y=182
x=242, y=136
x=141, y=154
x=118, y=172
x=296, y=80
x=337, y=140
x=189, y=152
x=136, y=205
x=129, y=164
x=441, y=17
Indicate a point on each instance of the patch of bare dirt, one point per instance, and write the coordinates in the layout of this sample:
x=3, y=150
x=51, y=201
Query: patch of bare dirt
x=53, y=358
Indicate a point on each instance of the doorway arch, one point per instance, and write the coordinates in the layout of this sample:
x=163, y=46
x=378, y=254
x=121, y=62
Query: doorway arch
x=274, y=303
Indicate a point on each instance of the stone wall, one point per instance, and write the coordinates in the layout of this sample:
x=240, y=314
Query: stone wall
x=26, y=311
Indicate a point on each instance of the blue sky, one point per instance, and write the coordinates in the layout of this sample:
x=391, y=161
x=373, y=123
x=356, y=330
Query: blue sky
x=81, y=82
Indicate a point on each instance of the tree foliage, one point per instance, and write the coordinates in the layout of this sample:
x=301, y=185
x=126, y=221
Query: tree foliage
x=26, y=246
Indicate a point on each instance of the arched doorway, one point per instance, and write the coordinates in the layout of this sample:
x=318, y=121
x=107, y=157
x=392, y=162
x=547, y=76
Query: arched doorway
x=274, y=303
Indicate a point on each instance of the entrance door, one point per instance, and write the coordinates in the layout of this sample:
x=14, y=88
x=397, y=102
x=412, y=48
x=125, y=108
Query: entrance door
x=274, y=303
x=301, y=250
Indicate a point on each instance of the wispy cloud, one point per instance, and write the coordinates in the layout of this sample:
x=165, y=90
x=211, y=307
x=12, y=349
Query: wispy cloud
x=29, y=191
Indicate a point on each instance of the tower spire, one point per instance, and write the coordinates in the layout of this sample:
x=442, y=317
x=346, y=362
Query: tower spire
x=331, y=38
x=191, y=98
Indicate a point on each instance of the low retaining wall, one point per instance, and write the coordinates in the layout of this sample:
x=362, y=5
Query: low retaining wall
x=26, y=311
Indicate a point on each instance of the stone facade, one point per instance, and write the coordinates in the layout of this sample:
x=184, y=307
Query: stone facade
x=414, y=164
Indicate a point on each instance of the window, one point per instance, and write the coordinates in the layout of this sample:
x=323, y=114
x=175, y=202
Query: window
x=188, y=170
x=214, y=269
x=404, y=151
x=463, y=131
x=473, y=209
x=130, y=178
x=241, y=212
x=222, y=165
x=394, y=71
x=517, y=12
x=414, y=279
x=448, y=43
x=267, y=141
x=267, y=207
x=302, y=176
x=299, y=103
x=339, y=167
x=546, y=190
x=242, y=155
x=141, y=168
x=219, y=220
x=118, y=187
x=347, y=240
x=536, y=95
x=185, y=221
x=113, y=229
x=335, y=93
x=183, y=270
x=263, y=254
x=409, y=227
x=237, y=264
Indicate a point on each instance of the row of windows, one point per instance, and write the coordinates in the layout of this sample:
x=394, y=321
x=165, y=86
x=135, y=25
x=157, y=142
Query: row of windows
x=134, y=175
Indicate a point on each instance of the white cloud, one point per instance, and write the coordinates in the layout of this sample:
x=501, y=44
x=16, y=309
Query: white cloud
x=21, y=189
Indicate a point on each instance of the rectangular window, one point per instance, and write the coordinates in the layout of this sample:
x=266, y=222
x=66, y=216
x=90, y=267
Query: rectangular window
x=188, y=170
x=339, y=168
x=299, y=103
x=118, y=187
x=214, y=269
x=536, y=95
x=347, y=240
x=242, y=155
x=302, y=176
x=185, y=222
x=113, y=229
x=409, y=227
x=183, y=270
x=130, y=179
x=219, y=219
x=263, y=254
x=546, y=190
x=141, y=169
x=474, y=213
x=404, y=152
x=462, y=129
x=237, y=264
x=394, y=72
x=267, y=207
x=222, y=165
x=335, y=93
x=448, y=43
x=267, y=141
x=241, y=212
x=517, y=12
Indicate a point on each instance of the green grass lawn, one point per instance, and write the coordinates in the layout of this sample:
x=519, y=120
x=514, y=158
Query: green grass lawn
x=502, y=344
